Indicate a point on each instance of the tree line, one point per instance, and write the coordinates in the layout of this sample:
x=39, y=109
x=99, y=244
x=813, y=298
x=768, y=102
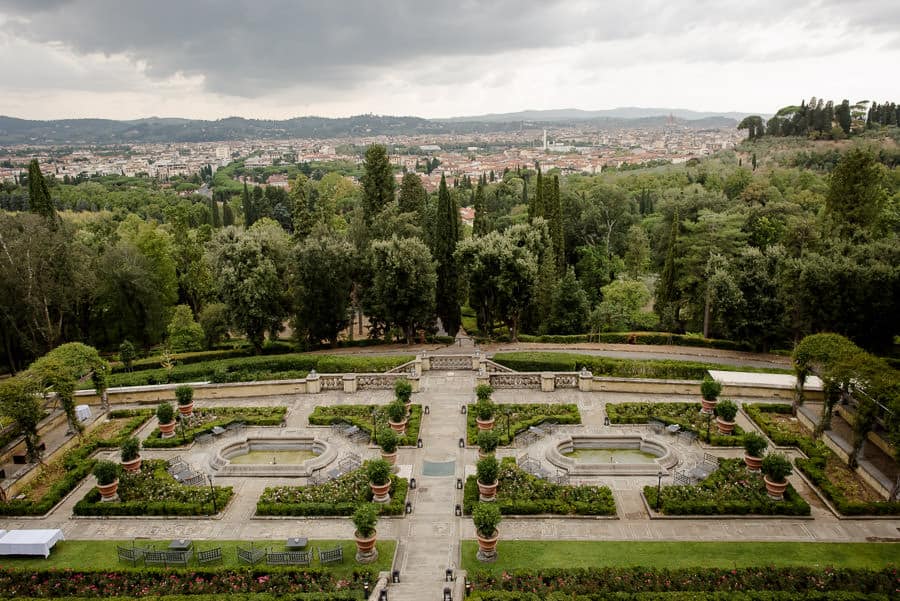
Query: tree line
x=823, y=119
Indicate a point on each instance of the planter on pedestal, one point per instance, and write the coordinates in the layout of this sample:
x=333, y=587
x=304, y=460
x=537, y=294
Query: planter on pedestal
x=365, y=518
x=486, y=473
x=486, y=517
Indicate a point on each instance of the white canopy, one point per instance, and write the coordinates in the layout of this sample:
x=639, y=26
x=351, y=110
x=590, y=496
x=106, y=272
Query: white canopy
x=29, y=542
x=743, y=378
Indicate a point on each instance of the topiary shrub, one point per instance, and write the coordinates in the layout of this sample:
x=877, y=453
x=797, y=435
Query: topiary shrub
x=484, y=410
x=486, y=517
x=131, y=448
x=184, y=395
x=165, y=413
x=484, y=391
x=777, y=467
x=364, y=519
x=487, y=470
x=754, y=444
x=106, y=472
x=488, y=441
x=710, y=389
x=378, y=471
x=388, y=440
x=726, y=410
x=396, y=412
x=403, y=390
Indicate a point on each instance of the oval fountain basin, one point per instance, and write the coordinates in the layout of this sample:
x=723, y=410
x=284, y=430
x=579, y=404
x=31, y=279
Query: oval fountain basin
x=606, y=455
x=287, y=457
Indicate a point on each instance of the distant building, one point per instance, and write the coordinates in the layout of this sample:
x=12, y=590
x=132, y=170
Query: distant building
x=429, y=148
x=467, y=215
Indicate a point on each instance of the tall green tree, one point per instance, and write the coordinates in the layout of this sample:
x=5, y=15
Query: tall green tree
x=536, y=208
x=39, y=194
x=247, y=207
x=377, y=181
x=553, y=212
x=569, y=308
x=227, y=214
x=20, y=401
x=480, y=225
x=446, y=237
x=856, y=194
x=666, y=290
x=323, y=282
x=412, y=195
x=303, y=217
x=402, y=291
x=637, y=252
x=185, y=334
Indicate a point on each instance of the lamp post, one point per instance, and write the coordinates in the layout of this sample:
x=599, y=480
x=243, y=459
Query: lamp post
x=659, y=478
x=374, y=426
x=507, y=412
x=708, y=422
x=212, y=492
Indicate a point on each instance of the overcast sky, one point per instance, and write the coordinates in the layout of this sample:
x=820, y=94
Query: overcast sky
x=276, y=58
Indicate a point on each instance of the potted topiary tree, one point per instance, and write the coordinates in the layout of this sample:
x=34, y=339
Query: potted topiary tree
x=484, y=414
x=364, y=519
x=486, y=472
x=107, y=474
x=379, y=472
x=185, y=396
x=397, y=417
x=754, y=447
x=488, y=441
x=131, y=455
x=388, y=440
x=776, y=468
x=486, y=517
x=483, y=392
x=710, y=391
x=403, y=390
x=725, y=412
x=165, y=414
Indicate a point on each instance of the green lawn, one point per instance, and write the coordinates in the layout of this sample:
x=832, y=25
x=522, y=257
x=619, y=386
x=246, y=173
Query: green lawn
x=94, y=555
x=584, y=554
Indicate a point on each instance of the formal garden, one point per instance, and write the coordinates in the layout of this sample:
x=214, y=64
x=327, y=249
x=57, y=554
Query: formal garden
x=202, y=421
x=511, y=419
x=686, y=416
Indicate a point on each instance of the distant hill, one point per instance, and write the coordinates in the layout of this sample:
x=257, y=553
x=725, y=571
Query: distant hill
x=77, y=132
x=627, y=112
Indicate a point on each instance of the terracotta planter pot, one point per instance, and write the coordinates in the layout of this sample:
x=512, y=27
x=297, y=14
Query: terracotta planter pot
x=483, y=455
x=485, y=424
x=408, y=408
x=186, y=410
x=380, y=492
x=487, y=492
x=109, y=492
x=133, y=466
x=487, y=547
x=167, y=430
x=724, y=427
x=708, y=406
x=398, y=427
x=390, y=457
x=775, y=490
x=753, y=463
x=366, y=552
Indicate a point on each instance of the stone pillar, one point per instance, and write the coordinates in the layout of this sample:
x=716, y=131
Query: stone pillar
x=548, y=382
x=585, y=379
x=414, y=382
x=313, y=384
x=482, y=377
x=477, y=360
x=349, y=383
x=426, y=362
x=417, y=366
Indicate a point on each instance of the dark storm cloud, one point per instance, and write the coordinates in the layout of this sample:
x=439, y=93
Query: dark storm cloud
x=252, y=48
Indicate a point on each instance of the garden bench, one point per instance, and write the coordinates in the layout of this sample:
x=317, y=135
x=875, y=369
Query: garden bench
x=540, y=433
x=131, y=555
x=656, y=425
x=335, y=555
x=317, y=477
x=710, y=460
x=251, y=555
x=184, y=474
x=174, y=461
x=350, y=462
x=289, y=558
x=682, y=479
x=673, y=429
x=167, y=558
x=209, y=556
x=195, y=480
x=351, y=431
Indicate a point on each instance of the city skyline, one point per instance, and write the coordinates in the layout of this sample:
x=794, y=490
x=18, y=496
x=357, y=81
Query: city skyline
x=79, y=58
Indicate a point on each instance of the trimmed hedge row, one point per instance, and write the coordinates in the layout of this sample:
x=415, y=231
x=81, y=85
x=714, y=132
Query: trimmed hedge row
x=336, y=596
x=78, y=464
x=520, y=493
x=523, y=416
x=684, y=596
x=172, y=581
x=814, y=467
x=655, y=338
x=396, y=506
x=361, y=417
x=588, y=581
x=617, y=368
x=251, y=416
x=256, y=368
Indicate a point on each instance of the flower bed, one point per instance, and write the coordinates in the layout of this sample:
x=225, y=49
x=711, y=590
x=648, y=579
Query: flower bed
x=61, y=475
x=340, y=496
x=720, y=580
x=206, y=419
x=153, y=491
x=730, y=490
x=686, y=415
x=849, y=494
x=684, y=596
x=520, y=493
x=361, y=417
x=192, y=581
x=521, y=417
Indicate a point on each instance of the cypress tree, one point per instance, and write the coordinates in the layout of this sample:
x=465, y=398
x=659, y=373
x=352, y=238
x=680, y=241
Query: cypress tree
x=227, y=215
x=665, y=295
x=38, y=194
x=480, y=226
x=247, y=207
x=216, y=217
x=377, y=181
x=553, y=210
x=446, y=236
x=537, y=208
x=525, y=196
x=302, y=217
